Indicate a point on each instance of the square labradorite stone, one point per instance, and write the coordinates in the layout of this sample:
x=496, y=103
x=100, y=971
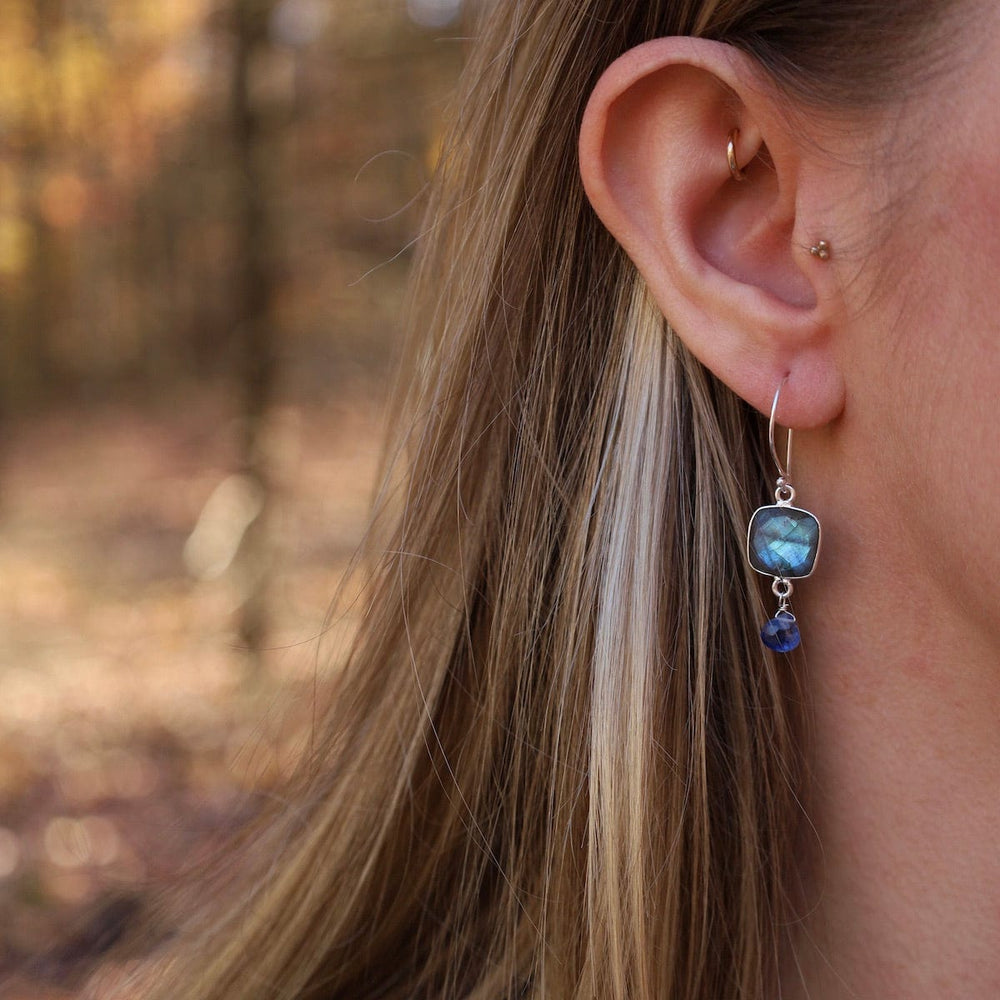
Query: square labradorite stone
x=783, y=541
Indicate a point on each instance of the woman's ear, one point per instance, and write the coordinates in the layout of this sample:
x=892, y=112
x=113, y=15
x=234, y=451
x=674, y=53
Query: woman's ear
x=727, y=259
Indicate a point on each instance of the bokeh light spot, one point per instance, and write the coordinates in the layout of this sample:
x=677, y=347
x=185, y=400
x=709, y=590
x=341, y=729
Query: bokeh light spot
x=433, y=13
x=10, y=852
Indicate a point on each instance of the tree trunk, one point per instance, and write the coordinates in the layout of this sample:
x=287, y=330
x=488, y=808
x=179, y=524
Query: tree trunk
x=254, y=342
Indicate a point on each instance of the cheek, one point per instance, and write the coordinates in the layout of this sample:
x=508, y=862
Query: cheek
x=943, y=388
x=960, y=295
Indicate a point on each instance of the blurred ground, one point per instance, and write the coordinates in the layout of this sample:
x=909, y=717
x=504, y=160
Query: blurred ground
x=130, y=731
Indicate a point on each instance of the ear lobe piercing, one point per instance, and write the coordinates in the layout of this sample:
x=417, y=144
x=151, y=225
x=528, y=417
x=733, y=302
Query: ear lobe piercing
x=782, y=542
x=821, y=250
x=734, y=167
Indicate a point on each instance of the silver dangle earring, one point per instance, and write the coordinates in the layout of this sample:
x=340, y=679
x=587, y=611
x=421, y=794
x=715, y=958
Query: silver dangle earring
x=783, y=543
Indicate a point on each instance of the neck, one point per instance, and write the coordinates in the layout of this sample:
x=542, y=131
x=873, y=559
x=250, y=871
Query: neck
x=901, y=895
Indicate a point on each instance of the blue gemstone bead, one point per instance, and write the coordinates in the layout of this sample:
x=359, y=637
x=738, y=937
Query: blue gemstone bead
x=781, y=634
x=783, y=542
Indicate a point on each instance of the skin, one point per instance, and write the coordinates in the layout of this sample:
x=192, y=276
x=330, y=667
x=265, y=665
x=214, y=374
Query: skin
x=893, y=363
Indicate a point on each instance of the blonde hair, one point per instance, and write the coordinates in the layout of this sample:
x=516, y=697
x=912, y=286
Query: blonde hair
x=559, y=764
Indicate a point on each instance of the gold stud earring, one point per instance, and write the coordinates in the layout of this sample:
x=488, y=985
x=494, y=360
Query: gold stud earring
x=821, y=250
x=734, y=167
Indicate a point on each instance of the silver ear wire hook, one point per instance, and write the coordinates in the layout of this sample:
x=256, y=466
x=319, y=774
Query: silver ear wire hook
x=783, y=543
x=784, y=471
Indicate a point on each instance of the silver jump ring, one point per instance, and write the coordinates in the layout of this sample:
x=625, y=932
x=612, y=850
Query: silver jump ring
x=785, y=493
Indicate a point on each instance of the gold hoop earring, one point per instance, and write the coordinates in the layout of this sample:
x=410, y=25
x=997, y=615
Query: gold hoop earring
x=734, y=166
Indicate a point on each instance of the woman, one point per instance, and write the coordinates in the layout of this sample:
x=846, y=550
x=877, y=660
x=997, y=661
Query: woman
x=561, y=763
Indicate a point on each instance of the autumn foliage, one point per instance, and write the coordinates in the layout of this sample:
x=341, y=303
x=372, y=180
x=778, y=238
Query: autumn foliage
x=207, y=209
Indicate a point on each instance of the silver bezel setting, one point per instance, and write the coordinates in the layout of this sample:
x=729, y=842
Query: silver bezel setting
x=787, y=507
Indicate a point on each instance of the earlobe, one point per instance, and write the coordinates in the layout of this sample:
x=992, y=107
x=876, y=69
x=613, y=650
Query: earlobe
x=727, y=260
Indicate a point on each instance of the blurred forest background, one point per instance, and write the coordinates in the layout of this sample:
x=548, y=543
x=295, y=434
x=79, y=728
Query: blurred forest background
x=207, y=210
